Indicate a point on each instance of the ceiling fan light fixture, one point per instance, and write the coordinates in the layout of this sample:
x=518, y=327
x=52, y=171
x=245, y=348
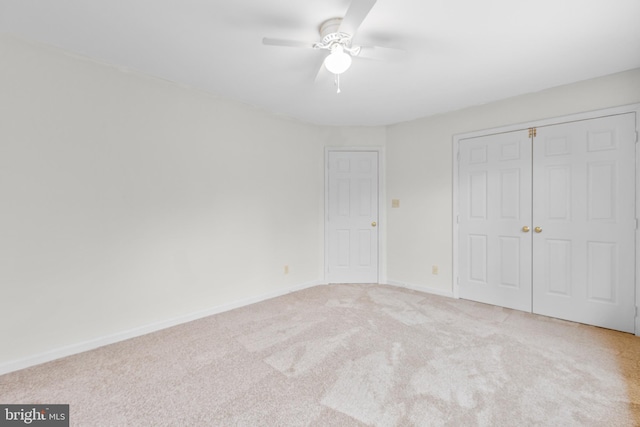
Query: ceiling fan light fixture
x=338, y=61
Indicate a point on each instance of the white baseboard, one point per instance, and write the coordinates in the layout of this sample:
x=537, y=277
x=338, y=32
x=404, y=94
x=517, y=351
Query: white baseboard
x=421, y=288
x=80, y=347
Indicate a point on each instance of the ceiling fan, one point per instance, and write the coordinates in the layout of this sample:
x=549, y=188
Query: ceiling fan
x=337, y=35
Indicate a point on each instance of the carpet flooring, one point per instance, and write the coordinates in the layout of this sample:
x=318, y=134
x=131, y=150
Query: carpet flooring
x=350, y=355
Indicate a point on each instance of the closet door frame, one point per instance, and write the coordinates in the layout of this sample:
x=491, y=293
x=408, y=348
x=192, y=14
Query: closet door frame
x=632, y=108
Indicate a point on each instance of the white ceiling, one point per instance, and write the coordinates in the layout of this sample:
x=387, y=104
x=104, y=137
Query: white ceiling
x=460, y=52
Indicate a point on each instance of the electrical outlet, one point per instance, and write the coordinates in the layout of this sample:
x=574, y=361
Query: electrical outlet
x=286, y=269
x=434, y=269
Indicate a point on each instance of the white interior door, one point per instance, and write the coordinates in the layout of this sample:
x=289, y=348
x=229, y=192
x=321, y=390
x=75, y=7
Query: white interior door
x=494, y=205
x=584, y=206
x=352, y=217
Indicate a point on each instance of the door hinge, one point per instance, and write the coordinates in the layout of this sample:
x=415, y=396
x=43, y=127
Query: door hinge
x=533, y=132
x=457, y=219
x=636, y=137
x=458, y=155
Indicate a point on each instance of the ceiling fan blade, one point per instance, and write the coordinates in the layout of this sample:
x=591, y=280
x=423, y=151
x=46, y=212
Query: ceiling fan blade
x=321, y=74
x=358, y=10
x=381, y=53
x=287, y=43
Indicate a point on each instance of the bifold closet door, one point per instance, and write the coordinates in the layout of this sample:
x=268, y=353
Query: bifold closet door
x=495, y=205
x=584, y=221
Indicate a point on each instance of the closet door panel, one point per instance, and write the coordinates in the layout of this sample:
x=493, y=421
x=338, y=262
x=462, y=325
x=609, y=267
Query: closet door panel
x=495, y=203
x=584, y=205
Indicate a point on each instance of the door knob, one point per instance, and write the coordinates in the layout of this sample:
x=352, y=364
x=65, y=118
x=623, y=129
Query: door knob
x=526, y=229
x=373, y=224
x=538, y=230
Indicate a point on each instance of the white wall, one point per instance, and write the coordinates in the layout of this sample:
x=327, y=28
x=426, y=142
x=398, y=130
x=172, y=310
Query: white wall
x=419, y=170
x=127, y=200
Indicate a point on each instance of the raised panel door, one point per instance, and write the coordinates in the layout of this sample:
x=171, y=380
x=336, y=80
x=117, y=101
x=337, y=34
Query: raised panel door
x=495, y=204
x=584, y=206
x=352, y=217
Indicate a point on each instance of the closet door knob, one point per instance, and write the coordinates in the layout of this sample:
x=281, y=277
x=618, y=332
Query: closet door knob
x=373, y=224
x=538, y=230
x=526, y=229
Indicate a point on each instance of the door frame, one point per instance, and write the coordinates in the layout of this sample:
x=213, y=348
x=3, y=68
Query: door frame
x=382, y=217
x=457, y=138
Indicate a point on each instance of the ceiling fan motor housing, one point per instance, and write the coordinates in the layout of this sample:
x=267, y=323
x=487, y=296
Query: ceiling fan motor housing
x=330, y=26
x=331, y=37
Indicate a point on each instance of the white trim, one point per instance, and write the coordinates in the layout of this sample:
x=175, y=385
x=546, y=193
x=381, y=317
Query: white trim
x=637, y=323
x=420, y=288
x=550, y=121
x=81, y=347
x=631, y=108
x=382, y=217
x=456, y=213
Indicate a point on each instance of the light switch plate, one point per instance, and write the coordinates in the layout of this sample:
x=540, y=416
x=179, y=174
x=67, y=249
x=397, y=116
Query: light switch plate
x=395, y=203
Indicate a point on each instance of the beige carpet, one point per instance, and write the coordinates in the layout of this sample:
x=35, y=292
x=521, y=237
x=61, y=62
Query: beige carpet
x=345, y=355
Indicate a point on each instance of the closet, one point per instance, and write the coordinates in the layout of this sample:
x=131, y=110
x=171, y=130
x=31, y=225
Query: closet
x=546, y=221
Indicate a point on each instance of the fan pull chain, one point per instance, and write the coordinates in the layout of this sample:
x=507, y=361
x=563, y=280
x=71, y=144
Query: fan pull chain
x=336, y=81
